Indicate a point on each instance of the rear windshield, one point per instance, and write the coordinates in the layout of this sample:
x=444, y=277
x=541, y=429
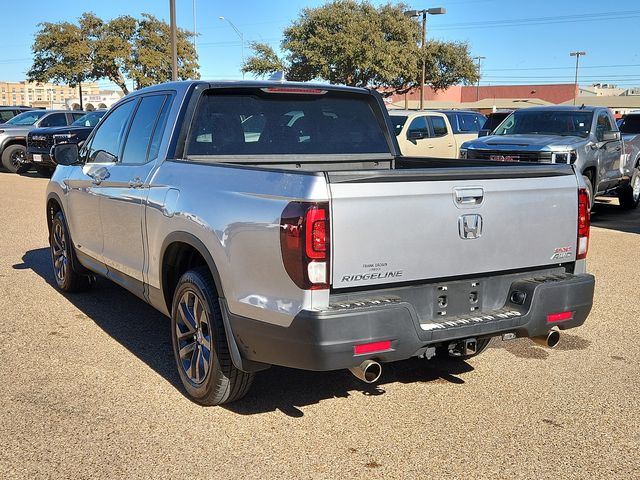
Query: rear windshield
x=549, y=122
x=281, y=124
x=630, y=124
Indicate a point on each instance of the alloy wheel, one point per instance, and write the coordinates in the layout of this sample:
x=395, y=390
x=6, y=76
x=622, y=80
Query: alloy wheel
x=18, y=158
x=59, y=252
x=193, y=334
x=636, y=188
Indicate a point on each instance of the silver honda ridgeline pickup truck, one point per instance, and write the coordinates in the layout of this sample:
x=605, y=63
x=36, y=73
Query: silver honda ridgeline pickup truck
x=277, y=224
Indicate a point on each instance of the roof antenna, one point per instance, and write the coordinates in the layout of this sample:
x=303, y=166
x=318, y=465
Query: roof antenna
x=278, y=76
x=582, y=106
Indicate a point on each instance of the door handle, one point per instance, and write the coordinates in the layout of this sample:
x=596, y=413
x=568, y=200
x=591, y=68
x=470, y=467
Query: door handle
x=135, y=182
x=469, y=196
x=99, y=176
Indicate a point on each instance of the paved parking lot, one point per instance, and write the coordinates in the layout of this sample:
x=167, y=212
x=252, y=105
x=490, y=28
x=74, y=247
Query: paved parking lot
x=89, y=388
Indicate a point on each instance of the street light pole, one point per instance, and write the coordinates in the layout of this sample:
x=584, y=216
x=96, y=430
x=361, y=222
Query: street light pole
x=240, y=34
x=479, y=59
x=424, y=13
x=577, y=55
x=174, y=40
x=195, y=28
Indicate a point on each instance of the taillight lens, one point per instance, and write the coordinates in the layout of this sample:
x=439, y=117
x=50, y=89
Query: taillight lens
x=304, y=242
x=584, y=223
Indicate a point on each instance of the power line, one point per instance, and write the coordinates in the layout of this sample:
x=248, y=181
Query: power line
x=516, y=22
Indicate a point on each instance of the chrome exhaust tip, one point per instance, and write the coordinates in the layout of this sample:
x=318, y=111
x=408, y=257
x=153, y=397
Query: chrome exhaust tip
x=549, y=340
x=368, y=371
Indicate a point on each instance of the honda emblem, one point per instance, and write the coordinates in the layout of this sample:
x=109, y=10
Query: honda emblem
x=470, y=226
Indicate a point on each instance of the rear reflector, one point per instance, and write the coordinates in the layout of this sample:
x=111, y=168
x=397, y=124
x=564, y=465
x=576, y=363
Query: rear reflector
x=558, y=317
x=372, y=347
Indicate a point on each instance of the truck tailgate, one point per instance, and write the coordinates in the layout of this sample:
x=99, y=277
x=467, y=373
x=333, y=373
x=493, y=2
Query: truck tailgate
x=403, y=226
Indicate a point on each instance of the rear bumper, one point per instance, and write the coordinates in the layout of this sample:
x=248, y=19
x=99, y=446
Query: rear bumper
x=325, y=340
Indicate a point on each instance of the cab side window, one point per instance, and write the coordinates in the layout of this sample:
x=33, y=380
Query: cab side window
x=603, y=125
x=144, y=122
x=418, y=128
x=54, y=120
x=439, y=126
x=108, y=138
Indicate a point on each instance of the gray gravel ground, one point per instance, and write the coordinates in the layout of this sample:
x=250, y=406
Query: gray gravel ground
x=89, y=388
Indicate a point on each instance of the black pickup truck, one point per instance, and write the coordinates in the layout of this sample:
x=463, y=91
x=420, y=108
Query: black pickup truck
x=40, y=141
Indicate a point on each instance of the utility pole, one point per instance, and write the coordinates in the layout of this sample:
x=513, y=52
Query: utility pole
x=479, y=59
x=80, y=94
x=424, y=13
x=577, y=55
x=174, y=40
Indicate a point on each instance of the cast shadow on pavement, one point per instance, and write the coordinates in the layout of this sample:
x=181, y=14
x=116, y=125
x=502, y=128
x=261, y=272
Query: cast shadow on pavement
x=145, y=333
x=606, y=213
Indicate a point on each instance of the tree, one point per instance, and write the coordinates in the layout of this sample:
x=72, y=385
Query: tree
x=355, y=43
x=122, y=48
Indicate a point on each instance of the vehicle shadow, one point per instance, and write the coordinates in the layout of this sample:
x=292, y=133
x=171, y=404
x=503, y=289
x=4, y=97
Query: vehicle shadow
x=606, y=213
x=146, y=333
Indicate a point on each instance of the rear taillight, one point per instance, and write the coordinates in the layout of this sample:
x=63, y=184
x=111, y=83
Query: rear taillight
x=304, y=242
x=584, y=222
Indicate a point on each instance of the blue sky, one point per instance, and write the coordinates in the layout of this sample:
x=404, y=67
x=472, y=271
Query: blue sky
x=523, y=41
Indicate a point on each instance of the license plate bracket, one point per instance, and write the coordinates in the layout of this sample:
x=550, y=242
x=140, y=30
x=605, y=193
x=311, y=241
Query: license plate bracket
x=458, y=298
x=37, y=157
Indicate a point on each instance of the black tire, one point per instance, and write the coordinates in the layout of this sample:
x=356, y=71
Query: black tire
x=11, y=157
x=63, y=258
x=587, y=180
x=198, y=335
x=629, y=195
x=46, y=172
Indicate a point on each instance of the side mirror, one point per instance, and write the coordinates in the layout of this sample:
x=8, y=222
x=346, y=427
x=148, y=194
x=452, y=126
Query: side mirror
x=415, y=135
x=484, y=132
x=610, y=136
x=65, y=154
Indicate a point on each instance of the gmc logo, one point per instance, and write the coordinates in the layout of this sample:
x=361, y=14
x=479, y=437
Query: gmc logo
x=504, y=158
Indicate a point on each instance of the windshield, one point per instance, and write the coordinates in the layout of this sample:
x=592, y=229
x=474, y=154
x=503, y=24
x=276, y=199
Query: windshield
x=280, y=124
x=398, y=122
x=547, y=122
x=27, y=118
x=89, y=120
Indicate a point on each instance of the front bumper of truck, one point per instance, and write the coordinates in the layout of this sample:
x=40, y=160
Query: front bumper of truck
x=327, y=340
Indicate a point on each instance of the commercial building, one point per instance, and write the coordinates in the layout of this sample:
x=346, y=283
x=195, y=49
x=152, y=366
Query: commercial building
x=49, y=95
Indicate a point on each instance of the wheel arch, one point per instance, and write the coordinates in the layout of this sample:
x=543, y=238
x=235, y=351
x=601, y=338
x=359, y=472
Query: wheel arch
x=54, y=205
x=183, y=251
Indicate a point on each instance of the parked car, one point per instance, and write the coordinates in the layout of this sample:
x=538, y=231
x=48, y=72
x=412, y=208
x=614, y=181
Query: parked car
x=466, y=124
x=586, y=137
x=424, y=134
x=493, y=120
x=13, y=134
x=278, y=224
x=7, y=113
x=40, y=141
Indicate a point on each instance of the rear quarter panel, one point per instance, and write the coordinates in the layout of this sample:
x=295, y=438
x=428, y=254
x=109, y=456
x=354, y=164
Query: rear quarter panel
x=235, y=212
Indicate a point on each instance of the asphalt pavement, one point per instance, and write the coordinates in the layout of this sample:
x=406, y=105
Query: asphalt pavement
x=89, y=388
